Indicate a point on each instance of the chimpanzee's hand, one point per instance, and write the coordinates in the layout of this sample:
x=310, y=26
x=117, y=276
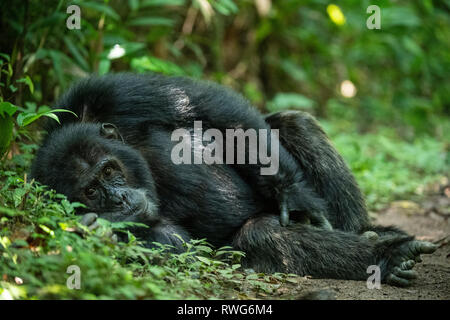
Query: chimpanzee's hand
x=90, y=221
x=302, y=200
x=403, y=259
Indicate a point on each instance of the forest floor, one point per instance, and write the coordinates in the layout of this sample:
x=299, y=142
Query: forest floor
x=427, y=220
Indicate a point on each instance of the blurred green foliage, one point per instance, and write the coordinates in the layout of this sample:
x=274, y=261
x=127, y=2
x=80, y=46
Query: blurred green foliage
x=38, y=242
x=262, y=48
x=388, y=168
x=12, y=116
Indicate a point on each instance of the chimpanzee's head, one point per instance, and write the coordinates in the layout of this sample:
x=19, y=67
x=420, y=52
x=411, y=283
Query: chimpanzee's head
x=91, y=164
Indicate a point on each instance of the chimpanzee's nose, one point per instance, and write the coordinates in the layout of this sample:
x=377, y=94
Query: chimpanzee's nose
x=118, y=199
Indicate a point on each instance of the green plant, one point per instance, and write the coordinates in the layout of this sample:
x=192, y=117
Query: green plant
x=14, y=116
x=386, y=166
x=39, y=240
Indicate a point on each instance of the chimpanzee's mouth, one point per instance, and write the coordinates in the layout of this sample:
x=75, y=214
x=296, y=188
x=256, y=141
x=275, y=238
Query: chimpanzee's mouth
x=145, y=213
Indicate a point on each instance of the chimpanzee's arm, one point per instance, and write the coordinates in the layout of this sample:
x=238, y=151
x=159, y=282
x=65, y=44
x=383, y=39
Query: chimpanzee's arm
x=220, y=108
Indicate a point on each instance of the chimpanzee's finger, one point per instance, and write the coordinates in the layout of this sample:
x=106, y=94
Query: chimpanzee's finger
x=405, y=274
x=93, y=226
x=417, y=247
x=425, y=247
x=397, y=281
x=88, y=219
x=407, y=265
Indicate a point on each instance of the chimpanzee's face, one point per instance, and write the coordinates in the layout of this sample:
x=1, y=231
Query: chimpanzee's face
x=104, y=189
x=91, y=166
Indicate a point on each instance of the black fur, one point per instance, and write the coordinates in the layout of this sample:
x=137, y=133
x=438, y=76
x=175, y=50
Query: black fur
x=323, y=168
x=143, y=105
x=228, y=205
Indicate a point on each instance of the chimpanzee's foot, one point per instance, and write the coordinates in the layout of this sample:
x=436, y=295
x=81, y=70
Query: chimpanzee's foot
x=403, y=259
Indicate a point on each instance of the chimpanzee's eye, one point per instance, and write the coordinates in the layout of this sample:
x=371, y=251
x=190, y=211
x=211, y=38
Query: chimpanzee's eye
x=107, y=171
x=91, y=193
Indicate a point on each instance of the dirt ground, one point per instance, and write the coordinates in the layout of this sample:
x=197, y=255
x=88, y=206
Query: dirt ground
x=429, y=221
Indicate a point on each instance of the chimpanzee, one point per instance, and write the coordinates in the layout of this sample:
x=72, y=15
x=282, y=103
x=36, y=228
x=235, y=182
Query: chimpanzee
x=124, y=100
x=116, y=158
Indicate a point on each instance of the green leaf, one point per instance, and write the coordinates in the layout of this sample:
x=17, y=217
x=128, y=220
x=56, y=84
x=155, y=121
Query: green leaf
x=283, y=101
x=30, y=106
x=293, y=70
x=76, y=54
x=204, y=260
x=44, y=108
x=6, y=132
x=20, y=243
x=149, y=63
x=55, y=57
x=18, y=195
x=148, y=3
x=64, y=110
x=28, y=82
x=399, y=16
x=151, y=21
x=47, y=230
x=52, y=116
x=103, y=8
x=132, y=47
x=24, y=118
x=53, y=20
x=133, y=4
x=225, y=7
x=104, y=66
x=60, y=62
x=8, y=108
x=5, y=56
x=203, y=249
x=253, y=276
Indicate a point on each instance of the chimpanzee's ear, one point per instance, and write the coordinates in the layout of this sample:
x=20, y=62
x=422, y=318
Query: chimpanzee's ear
x=110, y=131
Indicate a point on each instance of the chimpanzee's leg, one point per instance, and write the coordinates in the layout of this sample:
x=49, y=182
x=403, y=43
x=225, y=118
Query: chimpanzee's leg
x=307, y=250
x=323, y=168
